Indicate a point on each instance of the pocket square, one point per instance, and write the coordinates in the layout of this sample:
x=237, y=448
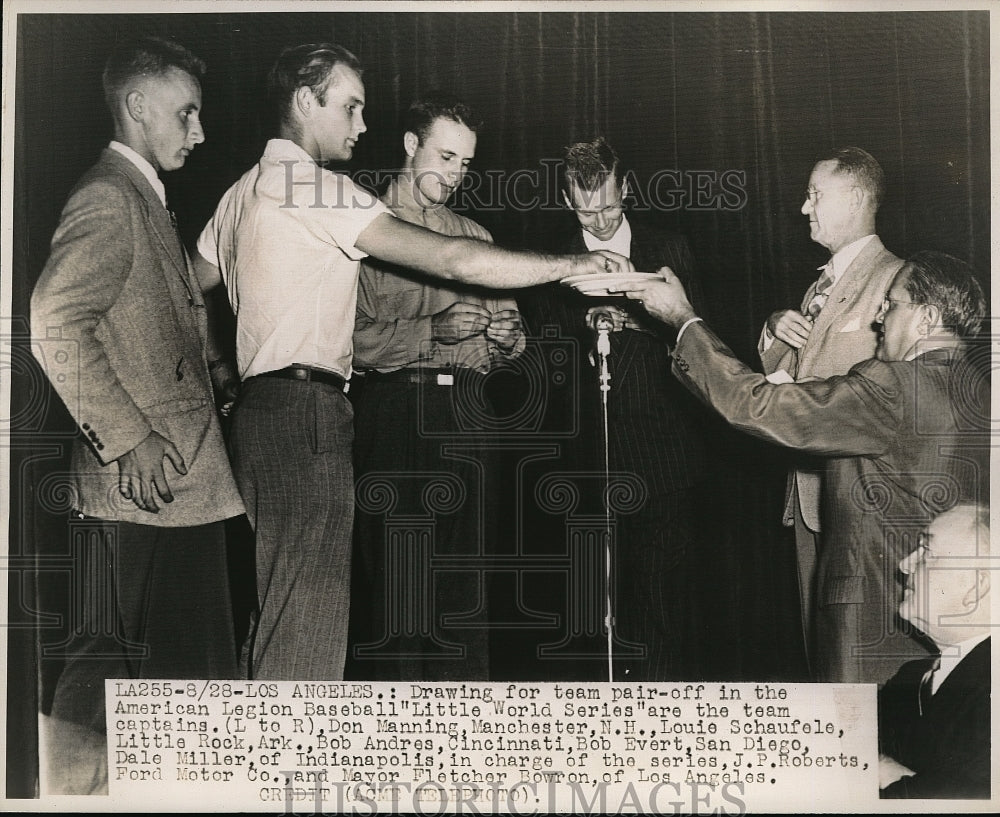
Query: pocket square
x=852, y=325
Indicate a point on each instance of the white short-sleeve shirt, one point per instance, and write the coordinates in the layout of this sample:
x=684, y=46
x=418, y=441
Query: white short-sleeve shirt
x=283, y=238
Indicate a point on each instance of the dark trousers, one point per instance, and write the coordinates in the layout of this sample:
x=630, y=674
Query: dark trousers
x=291, y=451
x=155, y=604
x=425, y=513
x=657, y=589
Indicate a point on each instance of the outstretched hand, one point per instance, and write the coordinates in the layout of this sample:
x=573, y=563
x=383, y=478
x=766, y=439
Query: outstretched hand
x=664, y=300
x=604, y=262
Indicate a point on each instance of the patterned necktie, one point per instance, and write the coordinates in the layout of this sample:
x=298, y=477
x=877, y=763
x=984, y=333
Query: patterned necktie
x=821, y=292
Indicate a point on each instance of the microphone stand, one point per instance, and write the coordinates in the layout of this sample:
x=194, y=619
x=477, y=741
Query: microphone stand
x=603, y=327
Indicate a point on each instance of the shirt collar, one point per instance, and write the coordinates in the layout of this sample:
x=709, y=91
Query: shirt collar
x=620, y=242
x=144, y=167
x=276, y=149
x=952, y=655
x=400, y=196
x=845, y=256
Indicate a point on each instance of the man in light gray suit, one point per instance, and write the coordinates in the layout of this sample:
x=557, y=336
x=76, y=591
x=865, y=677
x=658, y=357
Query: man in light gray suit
x=151, y=480
x=833, y=329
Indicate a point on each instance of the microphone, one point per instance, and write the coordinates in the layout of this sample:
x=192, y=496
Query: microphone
x=603, y=325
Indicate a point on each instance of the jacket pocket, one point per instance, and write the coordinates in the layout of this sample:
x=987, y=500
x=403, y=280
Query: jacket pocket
x=169, y=408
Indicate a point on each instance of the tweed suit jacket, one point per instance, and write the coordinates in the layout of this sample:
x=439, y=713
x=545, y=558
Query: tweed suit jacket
x=947, y=744
x=119, y=298
x=904, y=442
x=842, y=335
x=652, y=430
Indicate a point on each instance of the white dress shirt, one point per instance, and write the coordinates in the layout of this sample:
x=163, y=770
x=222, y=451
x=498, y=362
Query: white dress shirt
x=283, y=238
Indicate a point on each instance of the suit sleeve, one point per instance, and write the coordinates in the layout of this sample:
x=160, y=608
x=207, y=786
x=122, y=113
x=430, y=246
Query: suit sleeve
x=87, y=271
x=852, y=415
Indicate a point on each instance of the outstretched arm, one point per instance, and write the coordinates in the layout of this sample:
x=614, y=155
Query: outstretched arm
x=476, y=262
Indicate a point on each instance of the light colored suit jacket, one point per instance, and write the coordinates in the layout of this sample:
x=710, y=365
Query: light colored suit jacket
x=905, y=441
x=841, y=336
x=119, y=325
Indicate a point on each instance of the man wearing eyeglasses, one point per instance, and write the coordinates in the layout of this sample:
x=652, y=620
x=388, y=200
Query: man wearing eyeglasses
x=934, y=714
x=832, y=330
x=904, y=436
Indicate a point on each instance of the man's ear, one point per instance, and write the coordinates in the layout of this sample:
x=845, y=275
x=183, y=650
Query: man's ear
x=979, y=592
x=304, y=99
x=856, y=197
x=410, y=143
x=566, y=200
x=983, y=583
x=930, y=318
x=624, y=190
x=135, y=105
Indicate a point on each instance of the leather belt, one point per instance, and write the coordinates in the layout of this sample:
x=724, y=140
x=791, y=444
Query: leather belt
x=434, y=377
x=309, y=374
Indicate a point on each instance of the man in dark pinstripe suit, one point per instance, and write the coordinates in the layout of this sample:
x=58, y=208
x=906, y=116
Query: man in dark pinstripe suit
x=653, y=431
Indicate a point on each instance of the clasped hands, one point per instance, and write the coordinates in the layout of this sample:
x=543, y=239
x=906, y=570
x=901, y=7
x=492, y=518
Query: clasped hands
x=619, y=318
x=461, y=321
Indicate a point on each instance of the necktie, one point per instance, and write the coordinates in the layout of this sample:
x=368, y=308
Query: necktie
x=927, y=685
x=821, y=292
x=180, y=243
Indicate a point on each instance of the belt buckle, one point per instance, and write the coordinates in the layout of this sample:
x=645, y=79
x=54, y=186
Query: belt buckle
x=445, y=379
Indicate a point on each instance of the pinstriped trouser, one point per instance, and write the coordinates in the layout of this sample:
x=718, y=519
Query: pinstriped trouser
x=291, y=449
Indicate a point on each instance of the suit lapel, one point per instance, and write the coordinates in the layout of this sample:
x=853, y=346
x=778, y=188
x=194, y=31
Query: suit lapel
x=844, y=292
x=156, y=214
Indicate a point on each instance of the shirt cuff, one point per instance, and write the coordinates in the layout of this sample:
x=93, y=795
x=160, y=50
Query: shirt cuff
x=685, y=325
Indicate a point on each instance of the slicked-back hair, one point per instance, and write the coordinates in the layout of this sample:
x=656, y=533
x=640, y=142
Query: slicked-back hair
x=146, y=56
x=948, y=283
x=422, y=113
x=299, y=66
x=861, y=166
x=589, y=164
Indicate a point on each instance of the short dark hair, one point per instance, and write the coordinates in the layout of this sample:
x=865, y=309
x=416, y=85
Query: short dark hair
x=861, y=166
x=422, y=113
x=588, y=165
x=146, y=56
x=950, y=284
x=299, y=66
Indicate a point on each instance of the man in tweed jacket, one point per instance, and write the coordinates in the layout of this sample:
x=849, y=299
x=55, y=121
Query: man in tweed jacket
x=151, y=479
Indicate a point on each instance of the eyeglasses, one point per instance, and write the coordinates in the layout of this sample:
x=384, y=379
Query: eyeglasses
x=887, y=303
x=815, y=195
x=923, y=549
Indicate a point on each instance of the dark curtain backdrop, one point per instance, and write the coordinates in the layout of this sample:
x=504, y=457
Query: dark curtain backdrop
x=684, y=97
